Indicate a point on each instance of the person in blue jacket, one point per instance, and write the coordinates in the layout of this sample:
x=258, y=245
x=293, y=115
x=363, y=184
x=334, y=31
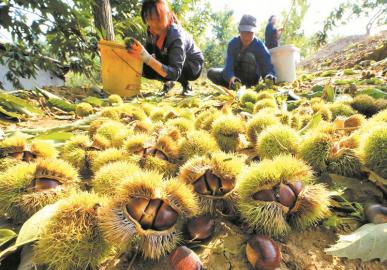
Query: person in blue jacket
x=169, y=54
x=272, y=34
x=247, y=59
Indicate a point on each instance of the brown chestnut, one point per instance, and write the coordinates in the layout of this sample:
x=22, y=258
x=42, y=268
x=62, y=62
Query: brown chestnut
x=213, y=182
x=45, y=184
x=263, y=253
x=286, y=196
x=376, y=213
x=200, y=228
x=266, y=195
x=296, y=187
x=18, y=155
x=184, y=258
x=149, y=151
x=28, y=156
x=136, y=207
x=150, y=213
x=161, y=155
x=200, y=186
x=166, y=217
x=227, y=185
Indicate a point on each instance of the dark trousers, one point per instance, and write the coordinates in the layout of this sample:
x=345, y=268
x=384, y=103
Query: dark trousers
x=190, y=72
x=245, y=69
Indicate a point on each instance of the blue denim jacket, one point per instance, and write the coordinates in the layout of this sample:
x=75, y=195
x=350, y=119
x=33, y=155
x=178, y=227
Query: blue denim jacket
x=178, y=51
x=261, y=53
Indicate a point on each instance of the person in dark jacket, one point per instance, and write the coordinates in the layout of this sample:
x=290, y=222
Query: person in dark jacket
x=247, y=59
x=169, y=54
x=272, y=34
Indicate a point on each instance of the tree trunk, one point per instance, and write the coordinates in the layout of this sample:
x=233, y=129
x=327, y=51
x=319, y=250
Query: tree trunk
x=103, y=18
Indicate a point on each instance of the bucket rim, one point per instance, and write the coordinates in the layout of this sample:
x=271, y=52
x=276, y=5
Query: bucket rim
x=289, y=47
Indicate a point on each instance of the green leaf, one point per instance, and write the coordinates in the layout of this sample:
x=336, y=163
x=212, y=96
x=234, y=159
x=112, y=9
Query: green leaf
x=313, y=123
x=55, y=136
x=31, y=229
x=329, y=92
x=11, y=115
x=6, y=236
x=62, y=104
x=94, y=101
x=331, y=222
x=19, y=105
x=373, y=92
x=366, y=243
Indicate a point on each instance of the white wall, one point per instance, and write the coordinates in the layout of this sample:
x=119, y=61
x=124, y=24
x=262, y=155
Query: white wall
x=43, y=78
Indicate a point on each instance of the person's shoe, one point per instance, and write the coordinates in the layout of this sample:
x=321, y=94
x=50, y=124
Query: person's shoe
x=167, y=87
x=187, y=91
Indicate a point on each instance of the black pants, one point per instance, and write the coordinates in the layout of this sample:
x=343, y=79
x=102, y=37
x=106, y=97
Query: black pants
x=245, y=69
x=190, y=72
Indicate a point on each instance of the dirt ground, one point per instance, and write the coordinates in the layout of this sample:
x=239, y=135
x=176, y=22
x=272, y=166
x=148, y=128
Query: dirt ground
x=301, y=251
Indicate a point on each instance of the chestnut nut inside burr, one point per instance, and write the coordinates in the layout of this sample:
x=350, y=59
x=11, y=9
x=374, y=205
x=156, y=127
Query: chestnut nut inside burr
x=285, y=194
x=211, y=184
x=154, y=214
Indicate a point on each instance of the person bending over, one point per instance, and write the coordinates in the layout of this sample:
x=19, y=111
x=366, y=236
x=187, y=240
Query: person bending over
x=247, y=59
x=170, y=53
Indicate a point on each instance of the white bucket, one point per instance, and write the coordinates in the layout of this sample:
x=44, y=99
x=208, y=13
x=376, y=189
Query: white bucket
x=284, y=59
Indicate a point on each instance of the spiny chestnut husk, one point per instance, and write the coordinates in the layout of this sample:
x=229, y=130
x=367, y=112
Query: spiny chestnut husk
x=147, y=211
x=110, y=155
x=226, y=130
x=26, y=188
x=75, y=150
x=374, y=149
x=112, y=134
x=275, y=191
x=276, y=140
x=184, y=258
x=315, y=150
x=197, y=143
x=265, y=103
x=72, y=238
x=206, y=118
x=184, y=125
x=200, y=228
x=214, y=179
x=17, y=149
x=340, y=109
x=257, y=124
x=109, y=177
x=263, y=253
x=162, y=156
x=345, y=162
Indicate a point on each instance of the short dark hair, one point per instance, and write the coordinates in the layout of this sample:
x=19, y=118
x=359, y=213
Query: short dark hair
x=149, y=7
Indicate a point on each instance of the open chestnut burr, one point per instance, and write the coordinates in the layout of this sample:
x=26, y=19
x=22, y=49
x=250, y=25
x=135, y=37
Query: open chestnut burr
x=154, y=214
x=285, y=194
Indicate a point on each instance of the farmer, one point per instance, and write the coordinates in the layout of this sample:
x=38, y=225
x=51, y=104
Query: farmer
x=272, y=34
x=170, y=54
x=247, y=59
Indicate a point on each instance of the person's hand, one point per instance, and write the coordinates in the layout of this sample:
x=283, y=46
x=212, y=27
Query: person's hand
x=233, y=81
x=136, y=49
x=271, y=78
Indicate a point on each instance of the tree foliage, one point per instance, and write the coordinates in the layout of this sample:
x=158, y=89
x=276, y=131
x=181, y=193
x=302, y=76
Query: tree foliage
x=194, y=16
x=223, y=30
x=293, y=33
x=67, y=31
x=374, y=10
